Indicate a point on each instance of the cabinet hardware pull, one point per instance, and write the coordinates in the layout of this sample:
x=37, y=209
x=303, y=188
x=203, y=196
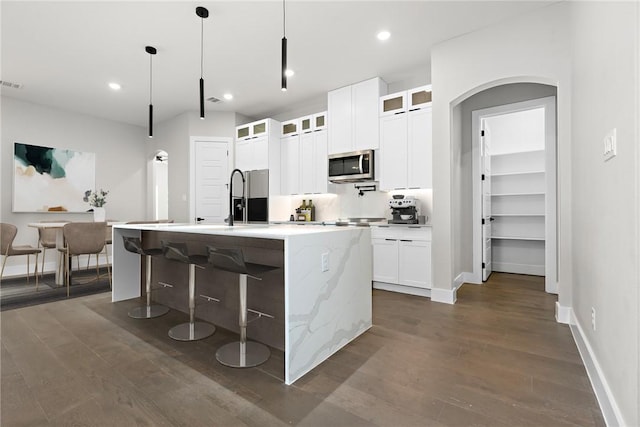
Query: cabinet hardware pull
x=414, y=109
x=413, y=226
x=402, y=240
x=390, y=240
x=400, y=112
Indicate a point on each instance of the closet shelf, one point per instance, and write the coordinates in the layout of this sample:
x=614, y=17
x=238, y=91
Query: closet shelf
x=517, y=173
x=533, y=239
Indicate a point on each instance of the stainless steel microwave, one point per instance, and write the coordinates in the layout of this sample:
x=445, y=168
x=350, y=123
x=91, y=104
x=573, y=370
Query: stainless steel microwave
x=356, y=166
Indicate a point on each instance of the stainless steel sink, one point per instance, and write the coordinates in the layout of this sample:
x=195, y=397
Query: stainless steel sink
x=358, y=222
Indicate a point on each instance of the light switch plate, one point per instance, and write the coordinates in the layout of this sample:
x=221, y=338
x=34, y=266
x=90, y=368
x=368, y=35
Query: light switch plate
x=610, y=145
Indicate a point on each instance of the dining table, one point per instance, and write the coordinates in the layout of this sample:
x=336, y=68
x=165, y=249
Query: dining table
x=59, y=227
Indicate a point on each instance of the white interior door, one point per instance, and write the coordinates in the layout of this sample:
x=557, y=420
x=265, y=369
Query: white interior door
x=211, y=170
x=485, y=159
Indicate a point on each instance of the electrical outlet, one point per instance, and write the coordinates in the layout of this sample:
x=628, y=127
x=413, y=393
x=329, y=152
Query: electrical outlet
x=325, y=262
x=610, y=145
x=593, y=318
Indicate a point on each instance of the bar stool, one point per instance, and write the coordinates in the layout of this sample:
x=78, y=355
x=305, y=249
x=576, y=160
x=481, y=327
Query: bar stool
x=192, y=330
x=148, y=311
x=243, y=353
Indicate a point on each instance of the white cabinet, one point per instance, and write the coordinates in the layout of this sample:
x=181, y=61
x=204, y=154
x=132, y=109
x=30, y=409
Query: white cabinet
x=406, y=140
x=353, y=114
x=304, y=163
x=402, y=258
x=255, y=129
x=290, y=127
x=257, y=146
x=290, y=155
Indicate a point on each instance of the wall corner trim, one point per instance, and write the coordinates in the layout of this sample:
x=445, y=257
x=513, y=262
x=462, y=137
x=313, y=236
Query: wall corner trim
x=608, y=406
x=447, y=296
x=564, y=314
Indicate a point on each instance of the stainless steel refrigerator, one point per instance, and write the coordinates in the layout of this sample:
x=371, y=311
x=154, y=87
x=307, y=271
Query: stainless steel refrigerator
x=256, y=206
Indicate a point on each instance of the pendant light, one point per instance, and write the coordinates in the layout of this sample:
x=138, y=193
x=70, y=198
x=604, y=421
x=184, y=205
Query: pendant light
x=284, y=48
x=151, y=51
x=202, y=13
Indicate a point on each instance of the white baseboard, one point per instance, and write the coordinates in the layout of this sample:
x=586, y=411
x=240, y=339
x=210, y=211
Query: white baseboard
x=459, y=280
x=410, y=290
x=608, y=406
x=563, y=314
x=447, y=296
x=535, y=270
x=470, y=277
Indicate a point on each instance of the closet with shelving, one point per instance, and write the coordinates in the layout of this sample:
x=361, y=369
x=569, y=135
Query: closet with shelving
x=518, y=208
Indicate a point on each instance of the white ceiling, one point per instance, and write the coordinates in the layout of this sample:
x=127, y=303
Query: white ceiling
x=65, y=53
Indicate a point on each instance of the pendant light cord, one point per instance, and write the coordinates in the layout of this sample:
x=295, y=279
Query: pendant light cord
x=284, y=20
x=201, y=47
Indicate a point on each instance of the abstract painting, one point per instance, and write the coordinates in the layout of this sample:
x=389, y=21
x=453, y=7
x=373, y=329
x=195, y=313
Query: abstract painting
x=47, y=179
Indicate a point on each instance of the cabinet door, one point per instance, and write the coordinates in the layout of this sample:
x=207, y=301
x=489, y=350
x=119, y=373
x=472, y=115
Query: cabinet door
x=419, y=97
x=393, y=152
x=393, y=103
x=321, y=162
x=365, y=97
x=307, y=163
x=260, y=153
x=290, y=165
x=419, y=149
x=340, y=115
x=415, y=263
x=244, y=155
x=260, y=128
x=385, y=260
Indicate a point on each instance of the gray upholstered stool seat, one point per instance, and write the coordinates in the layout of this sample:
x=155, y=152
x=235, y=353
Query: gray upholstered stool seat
x=192, y=330
x=243, y=353
x=148, y=311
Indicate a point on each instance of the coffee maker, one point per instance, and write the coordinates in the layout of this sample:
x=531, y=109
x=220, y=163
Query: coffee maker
x=404, y=209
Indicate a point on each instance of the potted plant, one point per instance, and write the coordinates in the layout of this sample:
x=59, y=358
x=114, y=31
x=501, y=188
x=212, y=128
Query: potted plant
x=97, y=200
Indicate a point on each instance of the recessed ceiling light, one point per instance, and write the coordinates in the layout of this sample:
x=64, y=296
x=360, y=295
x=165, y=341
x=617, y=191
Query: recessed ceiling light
x=384, y=35
x=114, y=86
x=289, y=73
x=228, y=96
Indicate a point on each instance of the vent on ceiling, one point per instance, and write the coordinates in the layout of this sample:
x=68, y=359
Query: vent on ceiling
x=213, y=99
x=12, y=85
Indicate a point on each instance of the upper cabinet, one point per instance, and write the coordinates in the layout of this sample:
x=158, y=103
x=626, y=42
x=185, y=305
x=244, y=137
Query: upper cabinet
x=304, y=156
x=405, y=140
x=255, y=129
x=257, y=146
x=353, y=114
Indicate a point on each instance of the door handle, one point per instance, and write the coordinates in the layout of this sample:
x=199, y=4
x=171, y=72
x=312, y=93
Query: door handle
x=198, y=219
x=492, y=219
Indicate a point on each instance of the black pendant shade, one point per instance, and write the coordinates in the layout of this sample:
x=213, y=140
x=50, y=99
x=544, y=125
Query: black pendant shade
x=151, y=51
x=284, y=64
x=202, y=13
x=284, y=49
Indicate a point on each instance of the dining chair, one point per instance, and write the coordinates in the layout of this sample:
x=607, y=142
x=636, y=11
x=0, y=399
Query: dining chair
x=83, y=238
x=108, y=240
x=47, y=240
x=8, y=234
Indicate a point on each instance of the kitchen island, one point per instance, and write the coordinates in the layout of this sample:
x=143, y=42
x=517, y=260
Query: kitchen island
x=319, y=295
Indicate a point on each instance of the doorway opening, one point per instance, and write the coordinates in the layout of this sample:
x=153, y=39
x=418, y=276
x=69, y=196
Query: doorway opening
x=515, y=190
x=160, y=185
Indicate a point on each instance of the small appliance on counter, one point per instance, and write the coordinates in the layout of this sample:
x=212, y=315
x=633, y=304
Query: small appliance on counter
x=404, y=209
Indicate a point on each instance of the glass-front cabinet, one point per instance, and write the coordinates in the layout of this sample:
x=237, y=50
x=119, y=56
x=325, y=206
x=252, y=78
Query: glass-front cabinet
x=252, y=130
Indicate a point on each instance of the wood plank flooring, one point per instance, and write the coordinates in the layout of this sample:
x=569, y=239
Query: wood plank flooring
x=495, y=358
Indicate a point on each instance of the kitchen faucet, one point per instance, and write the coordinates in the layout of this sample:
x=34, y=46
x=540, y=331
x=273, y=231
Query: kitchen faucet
x=242, y=202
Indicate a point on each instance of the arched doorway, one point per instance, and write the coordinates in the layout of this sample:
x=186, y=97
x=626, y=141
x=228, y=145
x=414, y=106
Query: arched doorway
x=159, y=185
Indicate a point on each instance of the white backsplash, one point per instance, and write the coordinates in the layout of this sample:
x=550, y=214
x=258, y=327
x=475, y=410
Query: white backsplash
x=346, y=203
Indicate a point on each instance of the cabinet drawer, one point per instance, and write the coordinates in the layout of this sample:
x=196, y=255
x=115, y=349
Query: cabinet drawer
x=415, y=233
x=384, y=232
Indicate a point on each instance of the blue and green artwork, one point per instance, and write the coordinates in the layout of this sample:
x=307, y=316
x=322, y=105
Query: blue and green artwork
x=48, y=179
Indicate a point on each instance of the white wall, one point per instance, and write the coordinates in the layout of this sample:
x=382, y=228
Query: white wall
x=120, y=162
x=173, y=136
x=605, y=194
x=533, y=48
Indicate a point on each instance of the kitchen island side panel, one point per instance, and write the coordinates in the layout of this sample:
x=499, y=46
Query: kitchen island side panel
x=325, y=310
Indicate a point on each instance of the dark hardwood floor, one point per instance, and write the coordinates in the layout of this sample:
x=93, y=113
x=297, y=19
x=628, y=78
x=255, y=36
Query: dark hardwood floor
x=495, y=358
